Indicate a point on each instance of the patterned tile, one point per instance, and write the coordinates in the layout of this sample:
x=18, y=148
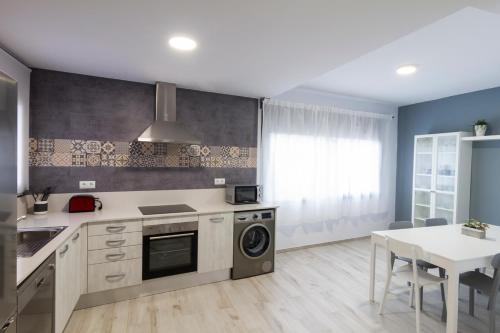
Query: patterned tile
x=145, y=161
x=33, y=143
x=61, y=159
x=45, y=145
x=78, y=147
x=135, y=148
x=183, y=150
x=108, y=160
x=92, y=153
x=234, y=151
x=215, y=151
x=107, y=147
x=183, y=161
x=93, y=160
x=251, y=162
x=41, y=159
x=225, y=151
x=62, y=146
x=172, y=161
x=193, y=150
x=205, y=151
x=78, y=160
x=147, y=148
x=122, y=147
x=244, y=151
x=93, y=147
x=160, y=148
x=194, y=161
x=122, y=160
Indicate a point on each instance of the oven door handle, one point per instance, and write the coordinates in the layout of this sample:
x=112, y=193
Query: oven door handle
x=171, y=236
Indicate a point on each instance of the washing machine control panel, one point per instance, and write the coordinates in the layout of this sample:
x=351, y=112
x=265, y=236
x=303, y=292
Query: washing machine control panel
x=254, y=216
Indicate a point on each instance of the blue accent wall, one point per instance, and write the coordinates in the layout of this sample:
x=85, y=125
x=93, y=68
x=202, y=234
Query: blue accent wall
x=452, y=114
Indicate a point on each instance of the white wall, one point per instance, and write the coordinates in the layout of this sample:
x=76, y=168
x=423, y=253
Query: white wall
x=343, y=229
x=21, y=74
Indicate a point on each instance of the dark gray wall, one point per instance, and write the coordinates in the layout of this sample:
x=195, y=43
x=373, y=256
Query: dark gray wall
x=72, y=106
x=457, y=113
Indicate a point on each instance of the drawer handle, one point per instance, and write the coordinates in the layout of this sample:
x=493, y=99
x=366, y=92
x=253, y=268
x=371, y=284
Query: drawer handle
x=114, y=228
x=116, y=256
x=216, y=219
x=76, y=236
x=115, y=242
x=115, y=277
x=63, y=251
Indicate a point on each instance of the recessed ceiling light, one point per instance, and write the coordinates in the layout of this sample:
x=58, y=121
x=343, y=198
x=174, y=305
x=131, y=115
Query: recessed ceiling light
x=406, y=70
x=182, y=43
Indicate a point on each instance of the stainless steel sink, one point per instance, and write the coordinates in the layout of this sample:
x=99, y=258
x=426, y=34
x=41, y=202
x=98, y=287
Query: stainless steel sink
x=31, y=240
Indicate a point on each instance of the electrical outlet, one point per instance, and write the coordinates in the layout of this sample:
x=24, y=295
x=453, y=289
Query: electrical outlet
x=219, y=181
x=87, y=184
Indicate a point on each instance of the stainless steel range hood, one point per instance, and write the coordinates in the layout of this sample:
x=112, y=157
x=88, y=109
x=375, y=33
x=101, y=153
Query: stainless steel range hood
x=165, y=128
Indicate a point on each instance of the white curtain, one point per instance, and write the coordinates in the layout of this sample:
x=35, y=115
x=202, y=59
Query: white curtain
x=329, y=170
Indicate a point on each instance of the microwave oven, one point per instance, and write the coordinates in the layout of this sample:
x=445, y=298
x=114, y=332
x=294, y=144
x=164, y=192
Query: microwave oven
x=243, y=194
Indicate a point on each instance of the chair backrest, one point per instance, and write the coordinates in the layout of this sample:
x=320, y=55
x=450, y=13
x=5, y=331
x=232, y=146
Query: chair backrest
x=495, y=262
x=403, y=249
x=432, y=222
x=400, y=225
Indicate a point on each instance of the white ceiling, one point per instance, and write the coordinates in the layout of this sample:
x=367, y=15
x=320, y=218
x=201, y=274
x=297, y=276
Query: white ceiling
x=455, y=55
x=250, y=48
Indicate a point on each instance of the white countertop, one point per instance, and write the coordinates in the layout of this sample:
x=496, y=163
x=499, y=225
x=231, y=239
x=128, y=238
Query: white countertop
x=25, y=266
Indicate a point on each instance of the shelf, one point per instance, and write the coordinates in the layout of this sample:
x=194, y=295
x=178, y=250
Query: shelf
x=420, y=218
x=481, y=138
x=447, y=176
x=445, y=209
x=424, y=153
x=422, y=205
x=422, y=189
x=423, y=174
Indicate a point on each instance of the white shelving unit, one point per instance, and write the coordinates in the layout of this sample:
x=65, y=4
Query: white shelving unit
x=441, y=177
x=482, y=138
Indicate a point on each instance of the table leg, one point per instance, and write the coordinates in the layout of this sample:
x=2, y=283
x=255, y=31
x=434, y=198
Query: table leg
x=372, y=271
x=452, y=301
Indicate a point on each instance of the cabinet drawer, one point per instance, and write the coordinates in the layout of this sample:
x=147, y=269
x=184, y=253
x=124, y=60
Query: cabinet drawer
x=114, y=240
x=114, y=254
x=97, y=229
x=114, y=275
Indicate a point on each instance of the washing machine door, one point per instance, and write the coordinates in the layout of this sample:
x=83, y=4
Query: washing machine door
x=255, y=241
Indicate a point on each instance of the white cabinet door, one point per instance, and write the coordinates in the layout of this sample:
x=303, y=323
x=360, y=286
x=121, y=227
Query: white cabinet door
x=68, y=279
x=215, y=242
x=441, y=177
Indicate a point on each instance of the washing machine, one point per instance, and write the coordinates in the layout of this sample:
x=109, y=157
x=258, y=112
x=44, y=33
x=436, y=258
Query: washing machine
x=253, y=246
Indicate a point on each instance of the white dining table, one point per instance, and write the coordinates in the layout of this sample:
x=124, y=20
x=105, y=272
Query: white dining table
x=446, y=247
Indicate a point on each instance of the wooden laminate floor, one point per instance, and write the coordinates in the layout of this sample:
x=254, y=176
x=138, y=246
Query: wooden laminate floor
x=320, y=289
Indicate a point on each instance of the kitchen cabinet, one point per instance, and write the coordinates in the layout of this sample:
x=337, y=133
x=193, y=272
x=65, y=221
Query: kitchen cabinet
x=215, y=242
x=441, y=177
x=68, y=279
x=114, y=255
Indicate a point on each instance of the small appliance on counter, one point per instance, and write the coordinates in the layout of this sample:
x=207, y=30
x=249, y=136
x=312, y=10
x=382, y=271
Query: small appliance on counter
x=84, y=203
x=243, y=194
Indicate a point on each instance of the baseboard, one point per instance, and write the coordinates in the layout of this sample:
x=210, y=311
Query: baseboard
x=319, y=244
x=151, y=287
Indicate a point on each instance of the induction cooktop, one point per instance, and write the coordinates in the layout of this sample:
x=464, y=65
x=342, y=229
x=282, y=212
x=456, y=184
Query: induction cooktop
x=166, y=209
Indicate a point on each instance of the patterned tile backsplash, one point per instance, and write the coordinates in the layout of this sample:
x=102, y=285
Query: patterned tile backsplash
x=92, y=153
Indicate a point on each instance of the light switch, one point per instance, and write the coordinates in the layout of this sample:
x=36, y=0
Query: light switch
x=87, y=184
x=219, y=181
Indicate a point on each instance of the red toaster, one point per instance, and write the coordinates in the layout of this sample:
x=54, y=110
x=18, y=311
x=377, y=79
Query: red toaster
x=83, y=203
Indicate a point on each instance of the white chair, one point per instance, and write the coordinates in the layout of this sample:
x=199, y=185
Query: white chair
x=409, y=272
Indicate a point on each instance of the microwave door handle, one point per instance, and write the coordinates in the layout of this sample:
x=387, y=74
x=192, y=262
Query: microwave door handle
x=171, y=236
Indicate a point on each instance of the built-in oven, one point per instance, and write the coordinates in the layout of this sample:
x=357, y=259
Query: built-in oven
x=169, y=249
